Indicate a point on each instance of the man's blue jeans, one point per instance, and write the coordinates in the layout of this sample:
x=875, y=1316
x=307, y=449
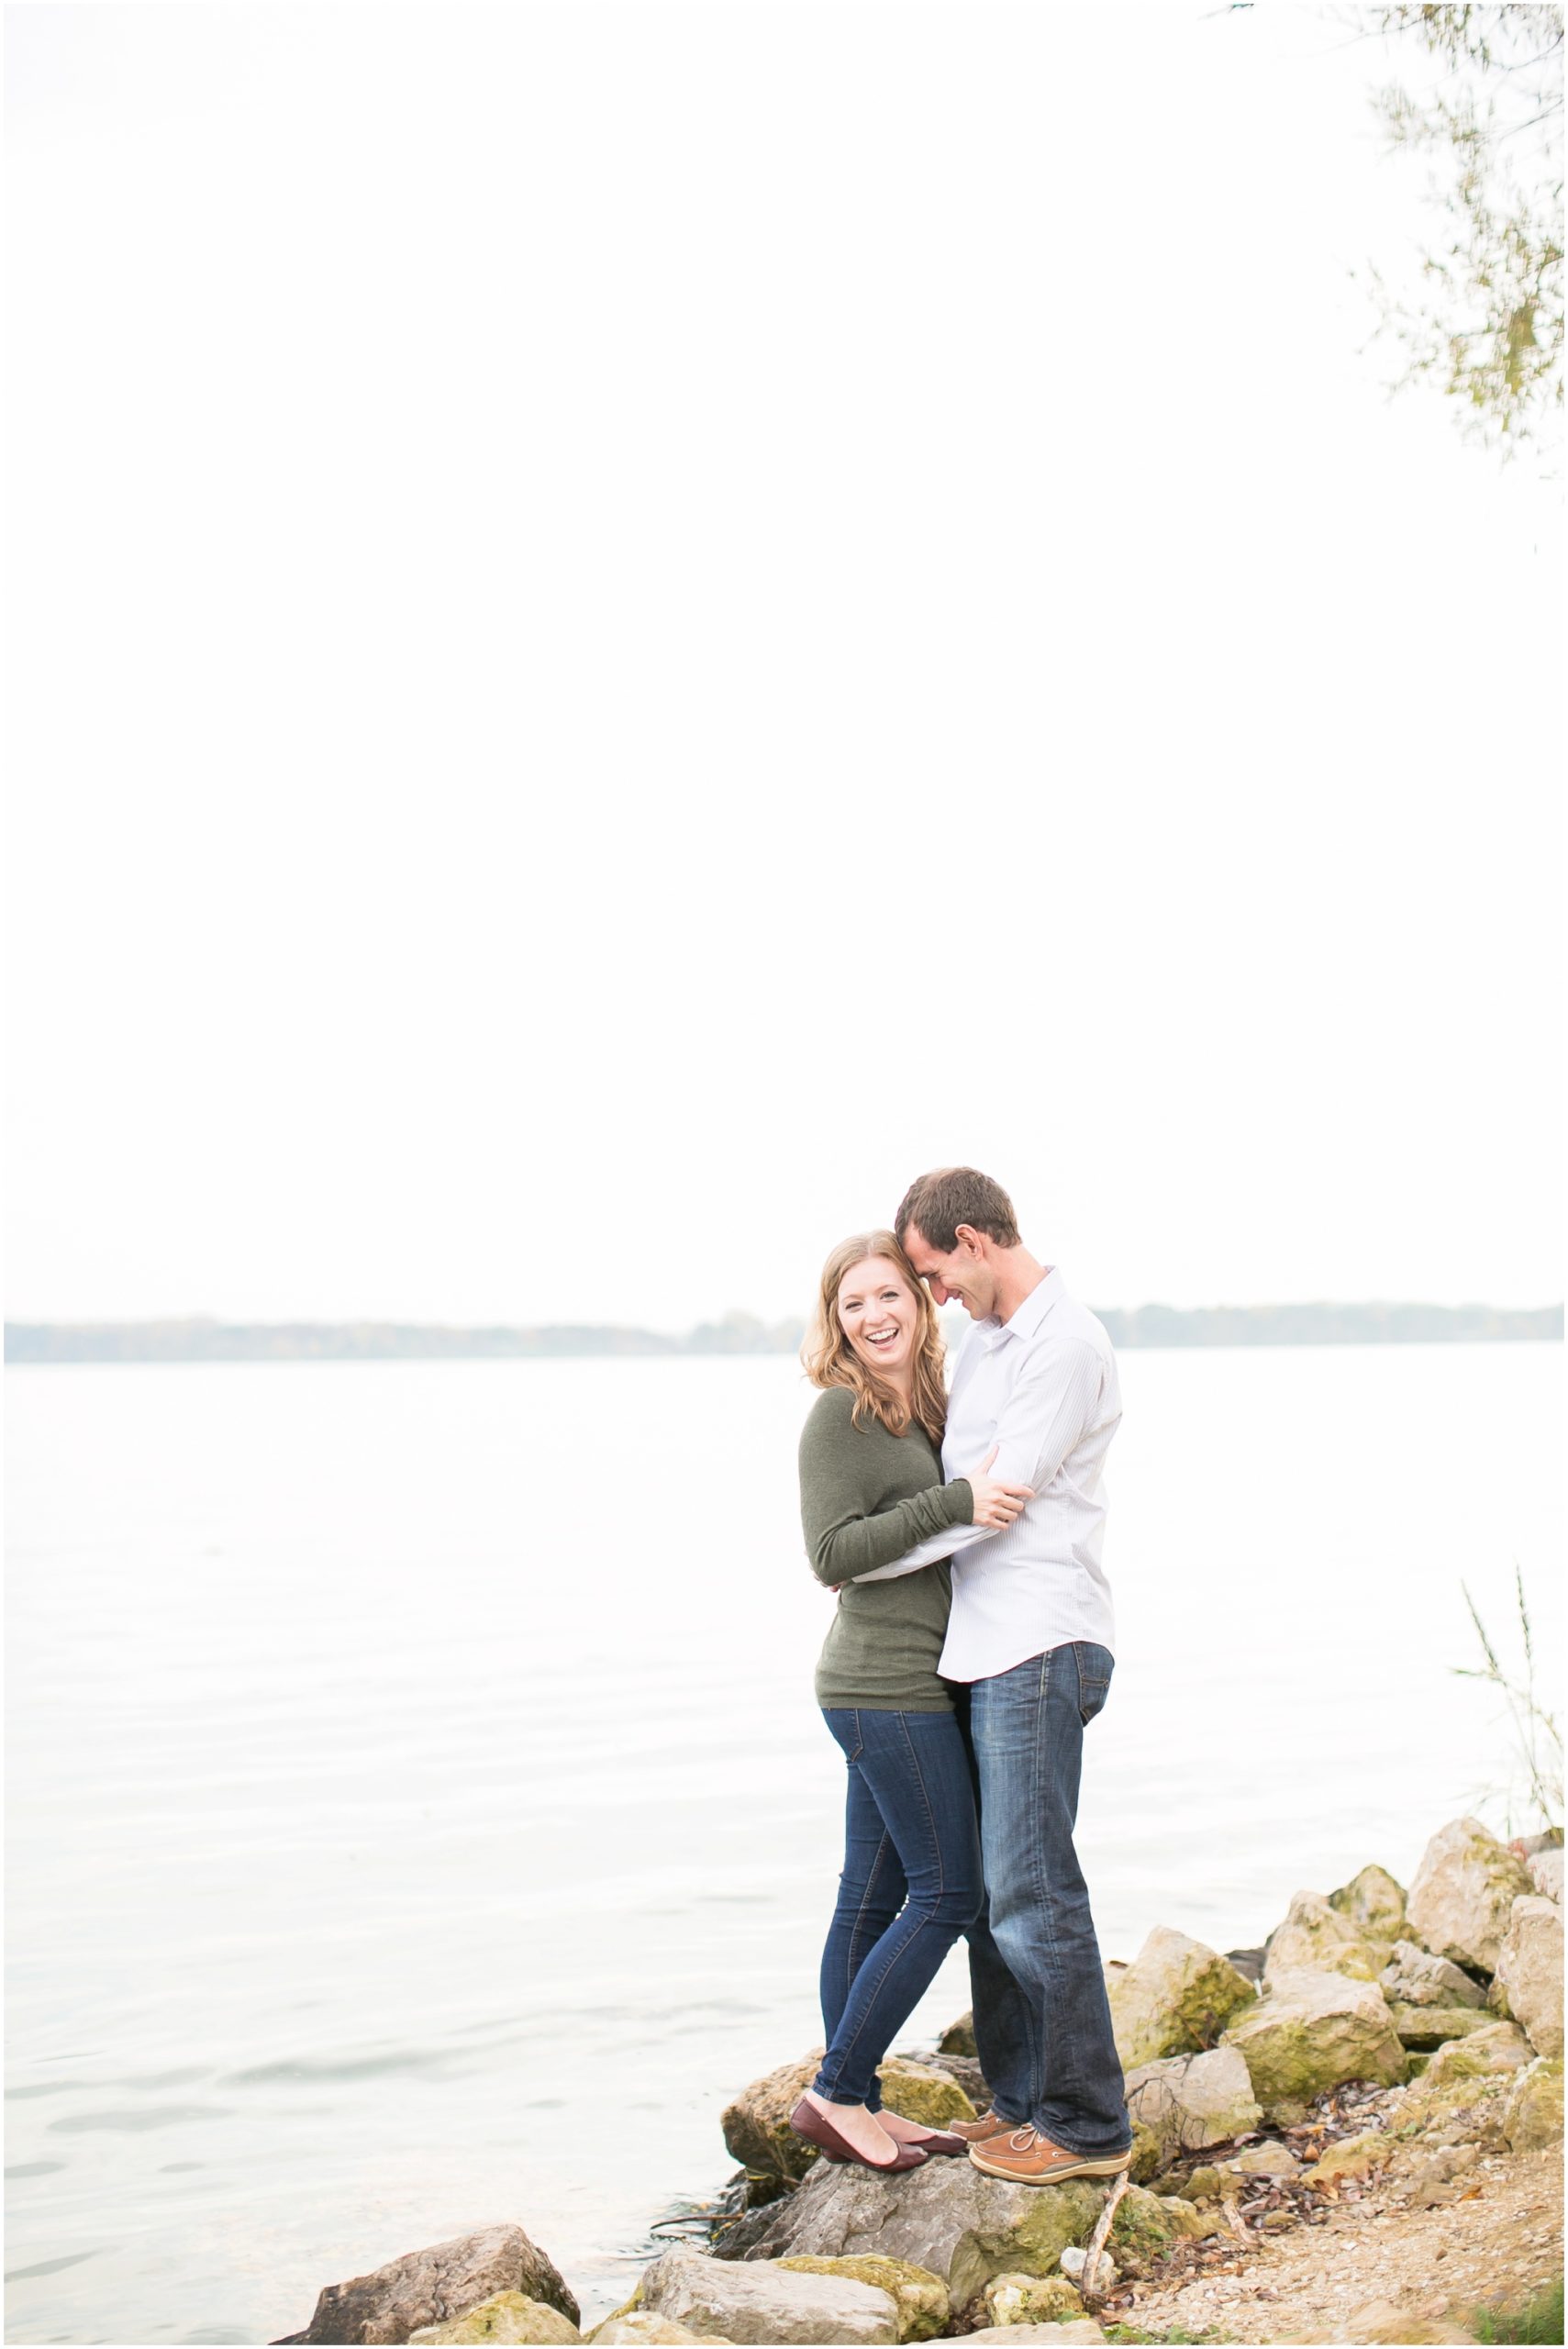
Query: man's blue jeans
x=910, y=1885
x=1042, y=2022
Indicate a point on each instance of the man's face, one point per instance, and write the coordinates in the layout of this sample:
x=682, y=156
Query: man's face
x=961, y=1277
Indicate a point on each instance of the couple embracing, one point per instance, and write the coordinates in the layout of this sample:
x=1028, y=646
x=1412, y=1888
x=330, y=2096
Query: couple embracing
x=970, y=1648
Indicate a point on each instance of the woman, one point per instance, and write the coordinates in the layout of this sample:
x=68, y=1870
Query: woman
x=871, y=1488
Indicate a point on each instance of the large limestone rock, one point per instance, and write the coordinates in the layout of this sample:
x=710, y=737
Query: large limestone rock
x=1460, y=2094
x=765, y=2302
x=1146, y=2225
x=1501, y=2047
x=1182, y=2103
x=964, y=2069
x=958, y=2039
x=433, y=2285
x=1315, y=1938
x=1175, y=1998
x=1413, y=1978
x=1032, y=2299
x=1546, y=1872
x=946, y=2217
x=1464, y=1888
x=505, y=2317
x=1311, y=2032
x=1431, y=2026
x=1373, y=1903
x=617, y=2331
x=1267, y=2160
x=921, y=2093
x=1528, y=1982
x=1071, y=2332
x=919, y=2298
x=1532, y=2115
x=756, y=2126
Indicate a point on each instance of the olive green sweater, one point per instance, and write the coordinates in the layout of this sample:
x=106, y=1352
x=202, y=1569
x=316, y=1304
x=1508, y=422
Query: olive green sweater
x=865, y=1498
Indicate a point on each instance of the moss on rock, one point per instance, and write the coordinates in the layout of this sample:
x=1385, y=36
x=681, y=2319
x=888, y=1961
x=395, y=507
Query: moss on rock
x=919, y=2092
x=1460, y=2094
x=1030, y=2299
x=505, y=2317
x=1312, y=2032
x=1314, y=1936
x=1146, y=2225
x=1498, y=2047
x=1030, y=2237
x=1532, y=2114
x=756, y=2126
x=919, y=2298
x=1175, y=1998
x=1375, y=1903
x=1148, y=2154
x=1431, y=2027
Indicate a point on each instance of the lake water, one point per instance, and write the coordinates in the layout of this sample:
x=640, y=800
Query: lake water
x=414, y=1781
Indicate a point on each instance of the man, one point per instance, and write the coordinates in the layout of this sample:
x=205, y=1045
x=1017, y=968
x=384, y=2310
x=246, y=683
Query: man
x=1030, y=1638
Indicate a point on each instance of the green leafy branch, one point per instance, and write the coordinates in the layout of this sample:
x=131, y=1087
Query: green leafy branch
x=1487, y=327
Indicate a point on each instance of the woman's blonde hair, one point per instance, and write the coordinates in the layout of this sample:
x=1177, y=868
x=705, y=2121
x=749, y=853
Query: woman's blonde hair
x=831, y=1361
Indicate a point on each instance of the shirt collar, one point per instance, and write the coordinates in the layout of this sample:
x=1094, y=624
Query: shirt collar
x=1026, y=1322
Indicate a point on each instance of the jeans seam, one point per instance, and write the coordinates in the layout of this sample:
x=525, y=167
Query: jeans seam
x=921, y=1925
x=1037, y=1855
x=936, y=1841
x=1026, y=1735
x=920, y=1922
x=882, y=1850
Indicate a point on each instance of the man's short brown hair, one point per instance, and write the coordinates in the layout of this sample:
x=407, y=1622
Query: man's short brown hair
x=949, y=1195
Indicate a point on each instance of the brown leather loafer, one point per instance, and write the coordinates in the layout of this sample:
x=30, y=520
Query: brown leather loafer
x=974, y=2132
x=1029, y=2159
x=819, y=2131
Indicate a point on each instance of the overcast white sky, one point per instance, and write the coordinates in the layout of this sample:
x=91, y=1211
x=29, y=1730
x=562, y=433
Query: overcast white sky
x=630, y=625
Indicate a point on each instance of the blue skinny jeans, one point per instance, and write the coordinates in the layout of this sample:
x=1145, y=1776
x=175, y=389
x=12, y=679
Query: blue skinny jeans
x=910, y=1887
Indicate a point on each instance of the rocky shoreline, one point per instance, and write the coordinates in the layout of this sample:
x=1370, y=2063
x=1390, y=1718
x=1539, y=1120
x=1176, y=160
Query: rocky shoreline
x=1374, y=2093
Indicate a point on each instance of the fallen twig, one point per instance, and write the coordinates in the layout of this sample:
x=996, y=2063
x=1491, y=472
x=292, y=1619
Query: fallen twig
x=1096, y=2243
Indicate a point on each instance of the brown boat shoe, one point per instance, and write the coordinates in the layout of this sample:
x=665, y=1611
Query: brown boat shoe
x=1029, y=2159
x=974, y=2132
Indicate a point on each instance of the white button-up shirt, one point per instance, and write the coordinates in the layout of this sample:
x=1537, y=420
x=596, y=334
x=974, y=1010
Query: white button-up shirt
x=1043, y=1388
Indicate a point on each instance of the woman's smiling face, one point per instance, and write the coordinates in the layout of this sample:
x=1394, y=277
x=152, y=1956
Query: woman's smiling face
x=881, y=1315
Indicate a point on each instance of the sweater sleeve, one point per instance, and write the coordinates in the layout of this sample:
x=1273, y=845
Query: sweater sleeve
x=843, y=1537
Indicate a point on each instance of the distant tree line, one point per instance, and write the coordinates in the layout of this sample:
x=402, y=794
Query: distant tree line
x=737, y=1333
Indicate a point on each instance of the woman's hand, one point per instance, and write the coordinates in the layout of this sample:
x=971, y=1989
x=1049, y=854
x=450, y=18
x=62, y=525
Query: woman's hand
x=997, y=1506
